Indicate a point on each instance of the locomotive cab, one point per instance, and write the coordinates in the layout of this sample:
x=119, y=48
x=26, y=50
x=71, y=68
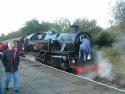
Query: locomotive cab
x=69, y=48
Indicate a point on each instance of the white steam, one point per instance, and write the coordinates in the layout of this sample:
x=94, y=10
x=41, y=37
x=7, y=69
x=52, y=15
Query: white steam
x=104, y=67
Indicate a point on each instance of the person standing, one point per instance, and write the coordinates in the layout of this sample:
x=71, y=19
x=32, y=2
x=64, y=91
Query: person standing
x=11, y=62
x=84, y=49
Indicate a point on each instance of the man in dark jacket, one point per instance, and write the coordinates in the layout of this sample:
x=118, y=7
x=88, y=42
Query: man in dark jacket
x=11, y=62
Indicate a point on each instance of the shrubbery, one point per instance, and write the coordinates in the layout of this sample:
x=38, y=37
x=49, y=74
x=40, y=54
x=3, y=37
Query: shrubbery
x=105, y=39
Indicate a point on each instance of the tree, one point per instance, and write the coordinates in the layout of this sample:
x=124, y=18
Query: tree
x=34, y=26
x=31, y=26
x=119, y=15
x=87, y=26
x=62, y=25
x=15, y=34
x=105, y=39
x=119, y=12
x=2, y=37
x=45, y=26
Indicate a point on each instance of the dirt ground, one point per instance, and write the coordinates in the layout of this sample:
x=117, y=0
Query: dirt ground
x=38, y=79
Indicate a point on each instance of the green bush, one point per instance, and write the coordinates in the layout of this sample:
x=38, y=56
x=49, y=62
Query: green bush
x=105, y=39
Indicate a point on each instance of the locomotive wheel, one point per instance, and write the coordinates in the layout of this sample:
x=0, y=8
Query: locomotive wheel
x=43, y=56
x=37, y=59
x=44, y=59
x=63, y=66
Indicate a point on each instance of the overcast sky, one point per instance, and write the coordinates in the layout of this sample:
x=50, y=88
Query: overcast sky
x=14, y=13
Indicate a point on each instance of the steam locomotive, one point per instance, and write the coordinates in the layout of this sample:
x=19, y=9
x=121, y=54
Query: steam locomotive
x=59, y=50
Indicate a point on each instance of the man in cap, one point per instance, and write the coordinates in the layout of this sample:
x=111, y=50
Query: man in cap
x=11, y=62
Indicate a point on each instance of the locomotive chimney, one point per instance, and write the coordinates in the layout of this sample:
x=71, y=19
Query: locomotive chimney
x=74, y=28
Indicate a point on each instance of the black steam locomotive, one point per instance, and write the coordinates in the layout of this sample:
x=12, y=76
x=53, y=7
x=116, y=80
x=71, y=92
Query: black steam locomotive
x=60, y=50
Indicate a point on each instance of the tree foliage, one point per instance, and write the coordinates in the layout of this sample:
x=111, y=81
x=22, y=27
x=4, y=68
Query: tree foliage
x=105, y=39
x=87, y=26
x=2, y=37
x=119, y=15
x=31, y=26
x=12, y=35
x=62, y=25
x=119, y=12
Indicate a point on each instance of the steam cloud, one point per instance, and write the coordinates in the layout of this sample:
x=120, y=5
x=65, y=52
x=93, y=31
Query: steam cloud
x=104, y=67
